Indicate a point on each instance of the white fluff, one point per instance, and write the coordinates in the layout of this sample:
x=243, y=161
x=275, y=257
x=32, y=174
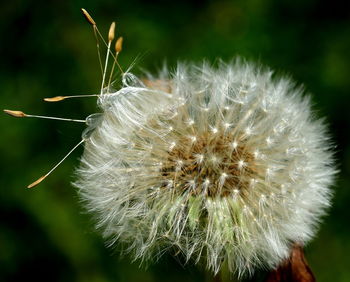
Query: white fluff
x=224, y=164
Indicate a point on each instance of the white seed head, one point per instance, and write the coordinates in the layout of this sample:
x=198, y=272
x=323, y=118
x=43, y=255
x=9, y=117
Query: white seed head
x=243, y=170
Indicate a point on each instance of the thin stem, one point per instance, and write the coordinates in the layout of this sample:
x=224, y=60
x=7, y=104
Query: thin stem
x=114, y=57
x=112, y=71
x=47, y=174
x=57, y=118
x=98, y=47
x=106, y=64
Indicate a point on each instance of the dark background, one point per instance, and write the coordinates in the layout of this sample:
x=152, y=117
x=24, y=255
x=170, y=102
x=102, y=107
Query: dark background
x=48, y=49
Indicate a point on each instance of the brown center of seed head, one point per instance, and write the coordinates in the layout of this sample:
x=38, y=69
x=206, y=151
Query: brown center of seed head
x=210, y=166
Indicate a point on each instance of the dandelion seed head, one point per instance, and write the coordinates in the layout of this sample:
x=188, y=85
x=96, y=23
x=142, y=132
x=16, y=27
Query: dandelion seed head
x=242, y=169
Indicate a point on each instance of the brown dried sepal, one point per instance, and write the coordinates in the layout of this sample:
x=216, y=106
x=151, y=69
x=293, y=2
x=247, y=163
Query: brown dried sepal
x=36, y=182
x=15, y=113
x=55, y=99
x=88, y=17
x=111, y=32
x=295, y=269
x=119, y=45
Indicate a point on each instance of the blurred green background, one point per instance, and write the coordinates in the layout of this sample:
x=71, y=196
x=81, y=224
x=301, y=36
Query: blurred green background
x=48, y=49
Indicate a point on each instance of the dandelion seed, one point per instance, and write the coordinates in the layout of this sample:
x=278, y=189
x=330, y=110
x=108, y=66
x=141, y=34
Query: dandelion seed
x=172, y=146
x=199, y=158
x=193, y=139
x=241, y=164
x=234, y=144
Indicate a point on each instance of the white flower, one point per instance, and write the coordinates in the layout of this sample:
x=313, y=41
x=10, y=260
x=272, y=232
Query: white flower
x=225, y=165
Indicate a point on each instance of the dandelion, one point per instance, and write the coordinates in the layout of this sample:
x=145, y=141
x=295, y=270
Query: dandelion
x=224, y=164
x=162, y=170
